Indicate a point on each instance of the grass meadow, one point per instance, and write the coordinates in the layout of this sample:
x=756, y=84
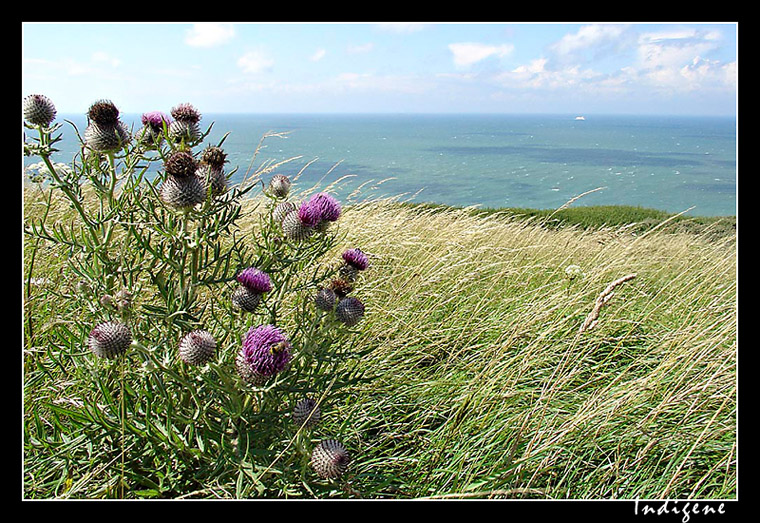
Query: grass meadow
x=484, y=368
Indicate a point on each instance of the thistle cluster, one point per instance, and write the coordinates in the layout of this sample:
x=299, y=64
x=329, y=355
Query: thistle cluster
x=163, y=280
x=299, y=222
x=334, y=298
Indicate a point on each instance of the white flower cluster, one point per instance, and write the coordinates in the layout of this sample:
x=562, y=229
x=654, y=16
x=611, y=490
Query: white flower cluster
x=38, y=172
x=573, y=271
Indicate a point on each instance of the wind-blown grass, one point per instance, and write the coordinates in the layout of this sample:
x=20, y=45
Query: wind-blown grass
x=479, y=381
x=484, y=385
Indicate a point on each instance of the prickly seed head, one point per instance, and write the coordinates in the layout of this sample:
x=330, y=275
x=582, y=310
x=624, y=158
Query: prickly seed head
x=349, y=311
x=214, y=156
x=39, y=110
x=181, y=164
x=187, y=132
x=330, y=459
x=212, y=178
x=279, y=185
x=245, y=299
x=109, y=339
x=182, y=192
x=197, y=347
x=325, y=299
x=306, y=413
x=186, y=113
x=103, y=112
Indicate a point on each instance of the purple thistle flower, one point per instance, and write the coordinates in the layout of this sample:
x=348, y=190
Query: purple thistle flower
x=265, y=352
x=185, y=112
x=328, y=207
x=356, y=258
x=309, y=215
x=255, y=280
x=155, y=119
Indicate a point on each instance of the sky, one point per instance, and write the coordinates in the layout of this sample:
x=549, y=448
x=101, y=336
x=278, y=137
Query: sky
x=513, y=68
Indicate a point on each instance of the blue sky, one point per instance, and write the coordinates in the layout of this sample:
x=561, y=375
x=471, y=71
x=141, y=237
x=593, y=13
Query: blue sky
x=594, y=68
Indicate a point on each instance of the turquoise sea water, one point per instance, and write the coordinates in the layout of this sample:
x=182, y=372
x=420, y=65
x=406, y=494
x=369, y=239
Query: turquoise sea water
x=536, y=161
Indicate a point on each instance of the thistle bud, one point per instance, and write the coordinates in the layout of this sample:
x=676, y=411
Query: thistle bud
x=279, y=185
x=197, y=347
x=330, y=459
x=349, y=311
x=39, y=110
x=109, y=340
x=306, y=413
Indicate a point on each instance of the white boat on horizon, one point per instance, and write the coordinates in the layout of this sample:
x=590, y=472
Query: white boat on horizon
x=580, y=117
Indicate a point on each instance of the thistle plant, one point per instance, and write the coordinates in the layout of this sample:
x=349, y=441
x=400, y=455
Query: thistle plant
x=196, y=337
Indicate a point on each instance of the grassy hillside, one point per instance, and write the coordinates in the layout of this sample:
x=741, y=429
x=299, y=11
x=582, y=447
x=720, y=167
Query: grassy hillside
x=485, y=385
x=479, y=378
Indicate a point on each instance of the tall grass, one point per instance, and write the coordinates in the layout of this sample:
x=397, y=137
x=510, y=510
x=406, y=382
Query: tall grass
x=484, y=386
x=479, y=382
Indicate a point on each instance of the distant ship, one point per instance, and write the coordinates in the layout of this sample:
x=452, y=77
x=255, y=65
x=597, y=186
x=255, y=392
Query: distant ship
x=580, y=117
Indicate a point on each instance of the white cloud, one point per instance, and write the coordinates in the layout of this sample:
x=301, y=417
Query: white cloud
x=536, y=75
x=103, y=58
x=468, y=53
x=255, y=62
x=318, y=55
x=587, y=37
x=364, y=48
x=208, y=34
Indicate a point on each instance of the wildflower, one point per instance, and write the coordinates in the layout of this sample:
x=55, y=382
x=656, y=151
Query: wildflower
x=573, y=271
x=281, y=209
x=109, y=339
x=330, y=459
x=325, y=209
x=197, y=347
x=355, y=261
x=105, y=132
x=279, y=185
x=328, y=207
x=306, y=413
x=253, y=283
x=211, y=170
x=255, y=279
x=325, y=299
x=152, y=132
x=298, y=225
x=349, y=311
x=310, y=215
x=265, y=352
x=39, y=110
x=185, y=126
x=182, y=188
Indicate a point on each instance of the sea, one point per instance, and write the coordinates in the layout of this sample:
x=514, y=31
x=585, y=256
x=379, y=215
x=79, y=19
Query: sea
x=671, y=163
